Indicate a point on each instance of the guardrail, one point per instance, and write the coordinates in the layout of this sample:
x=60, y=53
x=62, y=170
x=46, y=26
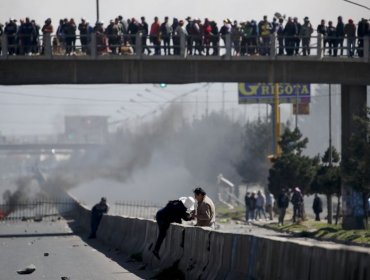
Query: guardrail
x=35, y=210
x=228, y=46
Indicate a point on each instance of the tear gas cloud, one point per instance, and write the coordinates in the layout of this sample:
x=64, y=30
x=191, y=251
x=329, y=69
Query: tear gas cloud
x=161, y=160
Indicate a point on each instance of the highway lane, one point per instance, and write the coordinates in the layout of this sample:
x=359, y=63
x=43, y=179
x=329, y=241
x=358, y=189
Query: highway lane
x=57, y=252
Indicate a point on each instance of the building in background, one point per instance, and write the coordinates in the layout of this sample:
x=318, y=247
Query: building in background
x=86, y=129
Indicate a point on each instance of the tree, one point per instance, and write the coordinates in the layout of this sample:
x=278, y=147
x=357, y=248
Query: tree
x=253, y=165
x=356, y=163
x=328, y=179
x=292, y=169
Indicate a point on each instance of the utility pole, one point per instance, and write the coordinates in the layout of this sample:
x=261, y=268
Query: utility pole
x=330, y=138
x=223, y=99
x=207, y=101
x=296, y=111
x=277, y=120
x=354, y=3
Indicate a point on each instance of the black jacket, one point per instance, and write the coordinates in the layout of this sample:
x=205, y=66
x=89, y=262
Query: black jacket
x=317, y=205
x=173, y=212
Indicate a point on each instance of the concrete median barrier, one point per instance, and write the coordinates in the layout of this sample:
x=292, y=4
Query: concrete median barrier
x=150, y=239
x=173, y=248
x=203, y=253
x=196, y=252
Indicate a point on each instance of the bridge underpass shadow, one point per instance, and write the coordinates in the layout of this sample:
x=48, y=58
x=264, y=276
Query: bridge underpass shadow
x=126, y=261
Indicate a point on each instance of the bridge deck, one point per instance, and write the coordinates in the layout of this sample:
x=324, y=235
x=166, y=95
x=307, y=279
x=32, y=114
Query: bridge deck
x=181, y=70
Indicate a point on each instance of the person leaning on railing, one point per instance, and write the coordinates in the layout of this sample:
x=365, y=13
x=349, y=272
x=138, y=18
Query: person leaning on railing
x=350, y=33
x=323, y=30
x=83, y=28
x=305, y=33
x=154, y=36
x=363, y=29
x=10, y=31
x=340, y=35
x=47, y=29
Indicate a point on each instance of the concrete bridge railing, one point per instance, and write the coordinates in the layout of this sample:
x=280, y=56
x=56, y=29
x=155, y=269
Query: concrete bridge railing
x=208, y=254
x=228, y=48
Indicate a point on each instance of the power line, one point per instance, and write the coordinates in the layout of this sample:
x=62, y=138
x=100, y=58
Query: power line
x=367, y=8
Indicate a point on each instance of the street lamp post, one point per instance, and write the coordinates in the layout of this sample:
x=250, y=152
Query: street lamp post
x=97, y=10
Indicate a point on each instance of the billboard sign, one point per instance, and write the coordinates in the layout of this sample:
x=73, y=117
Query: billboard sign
x=264, y=93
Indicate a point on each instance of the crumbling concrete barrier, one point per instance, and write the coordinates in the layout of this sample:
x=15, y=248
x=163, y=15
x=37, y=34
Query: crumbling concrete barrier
x=202, y=253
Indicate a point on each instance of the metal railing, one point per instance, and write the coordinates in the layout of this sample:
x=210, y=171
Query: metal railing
x=136, y=209
x=227, y=46
x=36, y=210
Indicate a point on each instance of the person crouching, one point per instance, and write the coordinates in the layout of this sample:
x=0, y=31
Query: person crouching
x=174, y=212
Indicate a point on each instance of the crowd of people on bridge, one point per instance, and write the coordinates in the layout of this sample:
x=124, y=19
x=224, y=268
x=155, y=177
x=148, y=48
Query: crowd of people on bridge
x=202, y=37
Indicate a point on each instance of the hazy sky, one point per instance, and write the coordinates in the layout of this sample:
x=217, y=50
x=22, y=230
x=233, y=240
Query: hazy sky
x=217, y=10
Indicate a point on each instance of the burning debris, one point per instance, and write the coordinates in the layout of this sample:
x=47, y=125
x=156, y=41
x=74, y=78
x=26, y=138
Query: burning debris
x=27, y=191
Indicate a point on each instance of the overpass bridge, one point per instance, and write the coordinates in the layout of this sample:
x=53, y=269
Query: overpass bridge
x=98, y=67
x=352, y=73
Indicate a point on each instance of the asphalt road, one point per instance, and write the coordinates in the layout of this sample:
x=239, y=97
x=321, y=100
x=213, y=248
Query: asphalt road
x=57, y=252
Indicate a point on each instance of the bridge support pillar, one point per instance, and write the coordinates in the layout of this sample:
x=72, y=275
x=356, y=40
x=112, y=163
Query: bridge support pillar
x=353, y=99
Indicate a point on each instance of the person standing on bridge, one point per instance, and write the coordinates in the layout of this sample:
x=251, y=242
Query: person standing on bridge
x=173, y=212
x=97, y=213
x=205, y=214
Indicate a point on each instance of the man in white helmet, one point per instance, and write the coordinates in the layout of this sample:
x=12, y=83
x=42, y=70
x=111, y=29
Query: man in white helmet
x=174, y=212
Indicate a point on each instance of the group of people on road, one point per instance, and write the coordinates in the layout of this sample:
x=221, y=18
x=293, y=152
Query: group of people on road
x=248, y=37
x=257, y=204
x=174, y=212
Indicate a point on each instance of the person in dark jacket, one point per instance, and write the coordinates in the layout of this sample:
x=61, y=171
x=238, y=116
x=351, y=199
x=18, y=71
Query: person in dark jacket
x=97, y=214
x=282, y=204
x=83, y=27
x=252, y=206
x=144, y=28
x=350, y=32
x=11, y=30
x=323, y=30
x=332, y=39
x=290, y=30
x=297, y=201
x=173, y=212
x=297, y=38
x=317, y=207
x=340, y=36
x=247, y=200
x=363, y=29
